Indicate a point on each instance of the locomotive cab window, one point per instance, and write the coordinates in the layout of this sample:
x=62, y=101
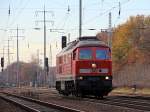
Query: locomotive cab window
x=85, y=54
x=102, y=54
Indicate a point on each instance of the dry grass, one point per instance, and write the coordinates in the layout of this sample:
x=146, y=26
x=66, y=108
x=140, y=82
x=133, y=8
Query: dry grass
x=130, y=91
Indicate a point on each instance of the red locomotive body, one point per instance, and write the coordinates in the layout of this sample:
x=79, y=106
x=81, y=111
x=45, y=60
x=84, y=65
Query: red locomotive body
x=84, y=67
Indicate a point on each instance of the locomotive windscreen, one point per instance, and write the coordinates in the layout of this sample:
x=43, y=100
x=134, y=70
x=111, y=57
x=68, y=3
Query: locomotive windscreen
x=85, y=54
x=102, y=54
x=97, y=53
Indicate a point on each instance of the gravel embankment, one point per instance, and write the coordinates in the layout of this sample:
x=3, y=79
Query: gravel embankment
x=8, y=107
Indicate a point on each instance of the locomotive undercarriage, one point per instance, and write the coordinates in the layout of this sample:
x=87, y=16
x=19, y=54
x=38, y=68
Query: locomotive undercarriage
x=89, y=85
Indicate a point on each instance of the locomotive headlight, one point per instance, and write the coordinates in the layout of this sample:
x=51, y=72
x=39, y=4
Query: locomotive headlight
x=93, y=65
x=106, y=77
x=81, y=78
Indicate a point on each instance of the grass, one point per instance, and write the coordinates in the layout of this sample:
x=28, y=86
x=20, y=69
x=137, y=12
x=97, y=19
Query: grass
x=131, y=91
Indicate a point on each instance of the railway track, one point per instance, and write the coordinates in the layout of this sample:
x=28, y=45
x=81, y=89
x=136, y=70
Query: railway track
x=138, y=97
x=32, y=105
x=141, y=103
x=134, y=103
x=137, y=103
x=124, y=101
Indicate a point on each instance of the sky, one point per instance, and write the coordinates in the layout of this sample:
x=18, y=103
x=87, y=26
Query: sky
x=62, y=15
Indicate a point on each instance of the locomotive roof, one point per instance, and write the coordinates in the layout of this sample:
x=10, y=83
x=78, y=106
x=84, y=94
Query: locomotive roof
x=88, y=41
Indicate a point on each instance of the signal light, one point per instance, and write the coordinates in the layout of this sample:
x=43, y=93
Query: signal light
x=64, y=41
x=2, y=62
x=46, y=62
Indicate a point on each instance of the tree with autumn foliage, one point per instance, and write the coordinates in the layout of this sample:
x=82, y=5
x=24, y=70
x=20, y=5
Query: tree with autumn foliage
x=131, y=40
x=131, y=52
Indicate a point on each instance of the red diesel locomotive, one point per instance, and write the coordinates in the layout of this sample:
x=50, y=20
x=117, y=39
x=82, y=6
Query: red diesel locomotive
x=84, y=67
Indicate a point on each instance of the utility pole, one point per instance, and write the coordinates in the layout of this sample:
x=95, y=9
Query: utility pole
x=8, y=50
x=110, y=32
x=8, y=58
x=44, y=23
x=18, y=79
x=17, y=36
x=44, y=40
x=80, y=18
x=8, y=53
x=50, y=65
x=37, y=70
x=50, y=55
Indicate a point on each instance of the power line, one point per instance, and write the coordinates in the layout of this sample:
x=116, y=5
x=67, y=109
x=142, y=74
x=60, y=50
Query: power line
x=106, y=12
x=19, y=13
x=66, y=17
x=5, y=29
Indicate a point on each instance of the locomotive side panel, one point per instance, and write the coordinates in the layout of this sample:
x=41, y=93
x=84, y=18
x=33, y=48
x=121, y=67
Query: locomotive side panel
x=64, y=79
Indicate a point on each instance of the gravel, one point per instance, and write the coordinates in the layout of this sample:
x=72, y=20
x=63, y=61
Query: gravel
x=78, y=103
x=86, y=106
x=8, y=107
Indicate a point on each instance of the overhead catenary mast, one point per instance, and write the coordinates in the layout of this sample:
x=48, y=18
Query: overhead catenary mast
x=18, y=66
x=110, y=31
x=80, y=18
x=50, y=55
x=44, y=25
x=8, y=58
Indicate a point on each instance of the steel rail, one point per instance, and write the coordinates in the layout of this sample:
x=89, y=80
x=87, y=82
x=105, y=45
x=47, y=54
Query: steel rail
x=22, y=106
x=118, y=101
x=138, y=97
x=138, y=104
x=47, y=104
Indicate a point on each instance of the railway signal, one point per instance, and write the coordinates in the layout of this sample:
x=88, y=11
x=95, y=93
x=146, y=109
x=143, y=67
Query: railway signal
x=64, y=41
x=2, y=62
x=46, y=64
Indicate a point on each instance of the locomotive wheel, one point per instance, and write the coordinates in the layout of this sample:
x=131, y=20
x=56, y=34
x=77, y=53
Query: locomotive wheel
x=77, y=94
x=80, y=94
x=65, y=94
x=83, y=94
